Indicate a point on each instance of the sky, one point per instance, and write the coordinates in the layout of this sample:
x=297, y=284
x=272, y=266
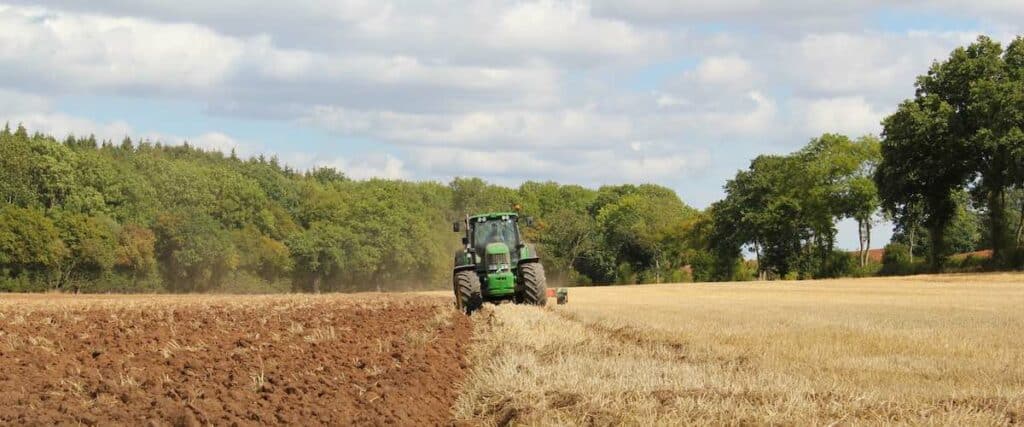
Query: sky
x=679, y=93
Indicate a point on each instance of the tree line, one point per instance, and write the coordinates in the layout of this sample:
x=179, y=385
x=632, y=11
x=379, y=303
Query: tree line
x=95, y=216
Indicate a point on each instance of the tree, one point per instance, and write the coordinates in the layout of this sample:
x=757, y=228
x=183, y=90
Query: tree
x=92, y=245
x=776, y=211
x=136, y=251
x=639, y=224
x=194, y=252
x=473, y=195
x=964, y=233
x=29, y=241
x=923, y=162
x=982, y=88
x=317, y=255
x=845, y=169
x=263, y=256
x=784, y=209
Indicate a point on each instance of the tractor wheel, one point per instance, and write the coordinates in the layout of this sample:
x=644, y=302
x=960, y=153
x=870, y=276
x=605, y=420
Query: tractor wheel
x=467, y=291
x=535, y=286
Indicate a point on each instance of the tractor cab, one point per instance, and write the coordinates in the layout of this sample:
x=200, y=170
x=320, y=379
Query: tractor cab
x=495, y=263
x=490, y=232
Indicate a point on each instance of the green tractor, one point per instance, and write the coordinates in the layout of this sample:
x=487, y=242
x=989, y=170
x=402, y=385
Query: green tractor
x=496, y=264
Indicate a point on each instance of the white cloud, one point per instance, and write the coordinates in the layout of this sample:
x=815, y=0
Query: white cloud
x=725, y=70
x=636, y=163
x=383, y=166
x=658, y=167
x=94, y=50
x=60, y=125
x=13, y=102
x=846, y=115
x=215, y=141
x=37, y=115
x=749, y=113
x=668, y=100
x=505, y=89
x=878, y=65
x=523, y=129
x=61, y=51
x=776, y=14
x=568, y=28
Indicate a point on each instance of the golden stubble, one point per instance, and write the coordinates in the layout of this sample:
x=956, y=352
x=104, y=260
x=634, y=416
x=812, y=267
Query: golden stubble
x=921, y=349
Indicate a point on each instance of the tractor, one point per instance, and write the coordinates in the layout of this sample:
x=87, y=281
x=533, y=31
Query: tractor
x=495, y=264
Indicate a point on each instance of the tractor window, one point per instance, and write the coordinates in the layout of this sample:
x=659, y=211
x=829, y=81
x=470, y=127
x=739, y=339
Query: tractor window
x=495, y=231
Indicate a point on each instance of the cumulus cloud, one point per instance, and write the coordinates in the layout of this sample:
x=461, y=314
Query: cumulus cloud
x=568, y=27
x=59, y=51
x=505, y=89
x=882, y=65
x=726, y=70
x=74, y=50
x=637, y=162
x=13, y=102
x=491, y=128
x=214, y=141
x=36, y=114
x=378, y=165
x=846, y=115
x=60, y=125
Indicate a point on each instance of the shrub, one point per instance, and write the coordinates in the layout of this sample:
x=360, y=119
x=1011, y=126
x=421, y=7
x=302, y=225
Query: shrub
x=868, y=270
x=836, y=264
x=896, y=261
x=971, y=263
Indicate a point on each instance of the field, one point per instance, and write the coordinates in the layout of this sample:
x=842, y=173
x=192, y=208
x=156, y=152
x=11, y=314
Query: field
x=926, y=349
x=191, y=360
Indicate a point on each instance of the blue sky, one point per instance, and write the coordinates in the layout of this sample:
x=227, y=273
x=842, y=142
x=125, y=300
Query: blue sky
x=680, y=93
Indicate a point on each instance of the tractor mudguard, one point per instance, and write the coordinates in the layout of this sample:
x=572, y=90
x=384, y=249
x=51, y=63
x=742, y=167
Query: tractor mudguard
x=464, y=261
x=527, y=254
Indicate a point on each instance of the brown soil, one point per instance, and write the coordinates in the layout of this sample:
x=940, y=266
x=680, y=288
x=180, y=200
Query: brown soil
x=166, y=360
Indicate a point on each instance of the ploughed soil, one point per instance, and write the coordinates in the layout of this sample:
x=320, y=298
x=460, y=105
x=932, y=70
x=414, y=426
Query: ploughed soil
x=364, y=359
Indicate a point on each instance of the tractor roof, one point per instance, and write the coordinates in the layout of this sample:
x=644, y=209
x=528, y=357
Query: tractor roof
x=494, y=215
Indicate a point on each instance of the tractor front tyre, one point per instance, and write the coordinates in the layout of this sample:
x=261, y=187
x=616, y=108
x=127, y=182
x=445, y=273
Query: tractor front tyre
x=535, y=286
x=467, y=291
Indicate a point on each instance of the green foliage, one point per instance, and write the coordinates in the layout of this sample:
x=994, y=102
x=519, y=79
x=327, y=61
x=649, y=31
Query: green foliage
x=317, y=254
x=837, y=264
x=897, y=261
x=92, y=244
x=84, y=215
x=964, y=233
x=30, y=243
x=962, y=130
x=195, y=254
x=136, y=251
x=784, y=209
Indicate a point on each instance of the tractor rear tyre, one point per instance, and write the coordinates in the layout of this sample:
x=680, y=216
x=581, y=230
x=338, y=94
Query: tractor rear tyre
x=535, y=286
x=467, y=291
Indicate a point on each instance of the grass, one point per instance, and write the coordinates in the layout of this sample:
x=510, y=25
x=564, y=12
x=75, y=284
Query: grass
x=923, y=349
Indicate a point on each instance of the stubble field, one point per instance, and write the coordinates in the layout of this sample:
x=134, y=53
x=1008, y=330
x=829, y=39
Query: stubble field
x=927, y=349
